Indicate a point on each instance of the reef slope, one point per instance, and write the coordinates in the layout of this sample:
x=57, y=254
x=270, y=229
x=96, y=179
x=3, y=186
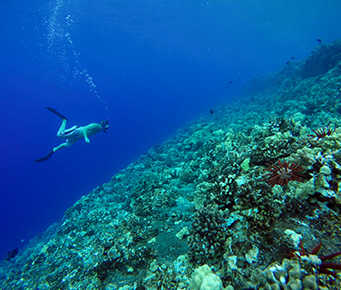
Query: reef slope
x=237, y=191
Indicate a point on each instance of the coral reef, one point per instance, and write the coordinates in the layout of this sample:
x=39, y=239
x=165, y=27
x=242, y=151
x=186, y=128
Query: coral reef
x=204, y=279
x=223, y=204
x=207, y=237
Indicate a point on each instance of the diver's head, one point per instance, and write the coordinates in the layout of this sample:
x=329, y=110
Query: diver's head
x=105, y=125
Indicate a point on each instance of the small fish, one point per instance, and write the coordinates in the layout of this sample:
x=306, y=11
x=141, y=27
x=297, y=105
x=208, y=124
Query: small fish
x=211, y=111
x=292, y=57
x=12, y=254
x=230, y=82
x=319, y=40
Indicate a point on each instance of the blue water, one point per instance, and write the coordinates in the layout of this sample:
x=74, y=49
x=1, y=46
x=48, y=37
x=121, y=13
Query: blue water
x=151, y=65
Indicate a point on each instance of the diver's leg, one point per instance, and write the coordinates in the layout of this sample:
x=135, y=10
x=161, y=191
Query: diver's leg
x=61, y=146
x=61, y=129
x=70, y=130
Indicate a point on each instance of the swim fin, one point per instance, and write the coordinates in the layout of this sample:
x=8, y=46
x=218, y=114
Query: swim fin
x=47, y=157
x=56, y=113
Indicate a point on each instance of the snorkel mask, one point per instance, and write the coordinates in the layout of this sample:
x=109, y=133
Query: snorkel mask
x=105, y=125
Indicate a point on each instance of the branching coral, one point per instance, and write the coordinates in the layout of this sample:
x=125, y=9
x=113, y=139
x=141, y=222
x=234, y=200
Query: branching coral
x=207, y=235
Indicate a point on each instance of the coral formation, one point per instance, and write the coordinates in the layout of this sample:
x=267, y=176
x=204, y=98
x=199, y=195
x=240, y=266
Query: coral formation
x=204, y=279
x=196, y=212
x=207, y=237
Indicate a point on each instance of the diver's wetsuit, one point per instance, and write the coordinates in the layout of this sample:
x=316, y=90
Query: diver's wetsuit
x=75, y=133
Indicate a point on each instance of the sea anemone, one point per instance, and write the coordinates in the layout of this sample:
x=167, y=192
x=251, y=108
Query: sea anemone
x=282, y=172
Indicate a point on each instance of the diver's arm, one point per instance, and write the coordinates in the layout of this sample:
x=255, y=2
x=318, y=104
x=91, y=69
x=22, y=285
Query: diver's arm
x=85, y=134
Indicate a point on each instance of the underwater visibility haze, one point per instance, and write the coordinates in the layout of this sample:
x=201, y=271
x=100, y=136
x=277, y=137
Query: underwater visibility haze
x=153, y=68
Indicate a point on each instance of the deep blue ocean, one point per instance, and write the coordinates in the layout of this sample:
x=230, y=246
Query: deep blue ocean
x=152, y=66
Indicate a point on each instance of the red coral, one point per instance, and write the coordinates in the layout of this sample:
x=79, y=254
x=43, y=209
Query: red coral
x=282, y=172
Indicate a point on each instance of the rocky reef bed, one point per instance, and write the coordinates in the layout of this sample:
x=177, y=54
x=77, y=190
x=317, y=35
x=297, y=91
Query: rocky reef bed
x=240, y=199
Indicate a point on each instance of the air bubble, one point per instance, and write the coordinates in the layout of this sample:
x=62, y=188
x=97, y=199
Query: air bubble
x=60, y=46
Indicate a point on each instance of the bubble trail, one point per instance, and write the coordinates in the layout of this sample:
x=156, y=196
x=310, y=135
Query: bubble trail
x=60, y=44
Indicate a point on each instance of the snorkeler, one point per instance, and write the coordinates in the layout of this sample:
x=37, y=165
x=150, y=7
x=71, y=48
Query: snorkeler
x=75, y=133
